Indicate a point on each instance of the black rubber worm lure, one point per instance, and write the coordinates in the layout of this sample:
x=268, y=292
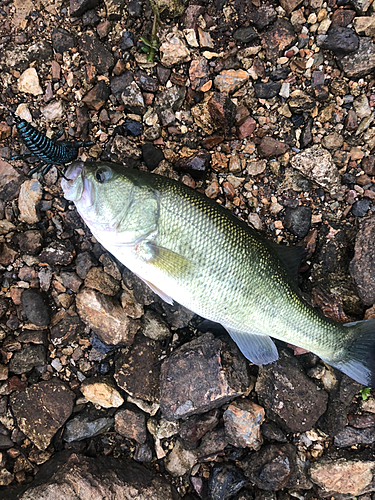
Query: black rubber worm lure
x=49, y=151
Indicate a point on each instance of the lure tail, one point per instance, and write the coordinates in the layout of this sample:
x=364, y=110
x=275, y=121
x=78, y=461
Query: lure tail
x=358, y=359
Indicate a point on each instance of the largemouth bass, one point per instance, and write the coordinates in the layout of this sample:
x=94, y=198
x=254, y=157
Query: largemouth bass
x=191, y=250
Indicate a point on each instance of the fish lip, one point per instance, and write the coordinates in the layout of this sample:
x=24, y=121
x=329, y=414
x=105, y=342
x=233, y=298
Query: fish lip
x=74, y=170
x=72, y=188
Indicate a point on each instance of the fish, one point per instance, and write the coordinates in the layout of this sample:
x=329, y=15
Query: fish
x=189, y=249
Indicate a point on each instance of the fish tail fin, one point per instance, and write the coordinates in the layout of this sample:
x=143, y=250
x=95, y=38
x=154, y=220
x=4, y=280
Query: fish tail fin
x=358, y=360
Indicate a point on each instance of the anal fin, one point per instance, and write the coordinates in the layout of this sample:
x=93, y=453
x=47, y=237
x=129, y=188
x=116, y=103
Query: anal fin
x=257, y=348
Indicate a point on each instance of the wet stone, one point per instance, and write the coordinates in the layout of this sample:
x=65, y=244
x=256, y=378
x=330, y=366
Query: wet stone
x=29, y=357
x=361, y=207
x=198, y=377
x=271, y=147
x=99, y=280
x=137, y=372
x=41, y=409
x=350, y=436
x=196, y=165
x=95, y=52
x=86, y=426
x=362, y=267
x=97, y=96
x=341, y=40
x=289, y=397
x=267, y=90
x=279, y=37
x=131, y=424
x=298, y=220
x=242, y=421
x=35, y=308
x=225, y=481
x=58, y=254
x=106, y=317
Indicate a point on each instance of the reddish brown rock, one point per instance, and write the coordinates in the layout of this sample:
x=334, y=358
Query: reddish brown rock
x=131, y=424
x=289, y=5
x=278, y=38
x=242, y=421
x=99, y=280
x=97, y=96
x=199, y=73
x=271, y=147
x=247, y=128
x=230, y=80
x=342, y=17
x=368, y=165
x=5, y=131
x=222, y=111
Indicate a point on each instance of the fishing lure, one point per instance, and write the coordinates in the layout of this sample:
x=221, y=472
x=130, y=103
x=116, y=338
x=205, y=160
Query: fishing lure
x=49, y=151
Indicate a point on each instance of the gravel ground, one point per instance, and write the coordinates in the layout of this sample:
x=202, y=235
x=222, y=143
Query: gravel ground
x=105, y=390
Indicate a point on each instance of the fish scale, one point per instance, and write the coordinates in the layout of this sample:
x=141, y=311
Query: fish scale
x=190, y=249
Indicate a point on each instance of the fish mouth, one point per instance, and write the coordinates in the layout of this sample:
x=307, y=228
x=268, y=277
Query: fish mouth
x=74, y=170
x=73, y=183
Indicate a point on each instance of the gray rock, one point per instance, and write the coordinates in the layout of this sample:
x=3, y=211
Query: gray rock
x=29, y=357
x=362, y=267
x=84, y=427
x=289, y=397
x=79, y=7
x=95, y=52
x=225, y=481
x=41, y=409
x=195, y=427
x=62, y=40
x=143, y=453
x=132, y=99
x=154, y=327
x=34, y=307
x=361, y=207
x=84, y=262
x=199, y=376
x=242, y=421
x=361, y=62
x=341, y=40
x=298, y=220
x=99, y=477
x=350, y=436
x=170, y=98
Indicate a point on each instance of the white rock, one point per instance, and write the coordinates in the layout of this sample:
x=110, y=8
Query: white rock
x=53, y=111
x=173, y=51
x=102, y=393
x=180, y=461
x=28, y=82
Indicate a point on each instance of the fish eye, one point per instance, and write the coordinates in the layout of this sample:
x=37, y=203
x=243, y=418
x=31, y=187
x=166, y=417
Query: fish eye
x=103, y=174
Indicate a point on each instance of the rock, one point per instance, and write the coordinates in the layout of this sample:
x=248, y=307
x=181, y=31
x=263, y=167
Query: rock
x=86, y=426
x=41, y=409
x=317, y=165
x=125, y=150
x=289, y=5
x=34, y=307
x=225, y=481
x=368, y=164
x=298, y=220
x=151, y=155
x=245, y=35
x=361, y=207
x=146, y=82
x=180, y=461
x=138, y=371
x=58, y=254
x=289, y=397
x=99, y=477
x=10, y=181
x=195, y=427
x=7, y=255
x=66, y=330
x=71, y=280
x=256, y=167
x=97, y=96
x=101, y=392
x=246, y=128
x=263, y=16
x=267, y=90
x=350, y=436
x=29, y=242
x=99, y=280
x=222, y=111
x=84, y=262
x=197, y=165
x=62, y=40
x=301, y=102
x=131, y=424
x=271, y=147
x=29, y=198
x=364, y=26
x=173, y=51
x=79, y=7
x=29, y=357
x=273, y=433
x=361, y=6
x=106, y=317
x=143, y=453
x=362, y=106
x=95, y=52
x=170, y=98
x=53, y=111
x=273, y=467
x=198, y=377
x=361, y=62
x=133, y=127
x=242, y=421
x=231, y=80
x=154, y=327
x=199, y=73
x=347, y=477
x=362, y=267
x=161, y=429
x=114, y=9
x=28, y=82
x=333, y=141
x=133, y=99
x=278, y=38
x=341, y=40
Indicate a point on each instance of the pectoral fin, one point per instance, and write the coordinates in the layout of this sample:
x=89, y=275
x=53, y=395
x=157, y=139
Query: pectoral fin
x=259, y=349
x=168, y=261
